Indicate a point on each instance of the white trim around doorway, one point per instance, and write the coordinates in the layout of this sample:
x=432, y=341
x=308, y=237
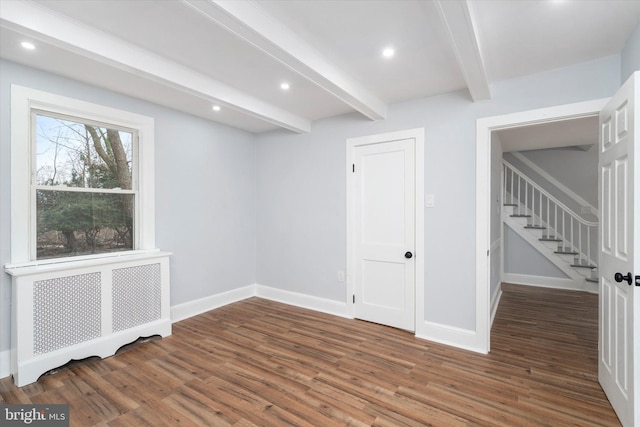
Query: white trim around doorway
x=484, y=127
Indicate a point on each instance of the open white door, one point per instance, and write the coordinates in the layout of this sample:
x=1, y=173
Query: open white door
x=619, y=193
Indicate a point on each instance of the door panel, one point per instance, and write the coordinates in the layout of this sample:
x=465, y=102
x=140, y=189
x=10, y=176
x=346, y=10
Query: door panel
x=384, y=224
x=376, y=275
x=619, y=350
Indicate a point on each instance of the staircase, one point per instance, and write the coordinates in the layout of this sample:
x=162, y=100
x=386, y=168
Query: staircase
x=566, y=239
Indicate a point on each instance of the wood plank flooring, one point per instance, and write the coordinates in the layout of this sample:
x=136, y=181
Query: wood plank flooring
x=258, y=362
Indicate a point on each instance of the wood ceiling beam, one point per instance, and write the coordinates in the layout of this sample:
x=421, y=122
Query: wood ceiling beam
x=248, y=20
x=459, y=20
x=49, y=27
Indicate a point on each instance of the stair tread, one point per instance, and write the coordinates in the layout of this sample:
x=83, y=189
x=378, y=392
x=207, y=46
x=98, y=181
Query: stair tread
x=550, y=238
x=583, y=266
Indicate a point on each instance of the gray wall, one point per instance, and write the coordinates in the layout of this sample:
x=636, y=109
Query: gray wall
x=205, y=191
x=522, y=258
x=630, y=56
x=301, y=187
x=576, y=169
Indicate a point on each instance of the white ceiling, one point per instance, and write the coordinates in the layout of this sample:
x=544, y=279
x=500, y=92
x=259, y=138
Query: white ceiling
x=192, y=54
x=579, y=132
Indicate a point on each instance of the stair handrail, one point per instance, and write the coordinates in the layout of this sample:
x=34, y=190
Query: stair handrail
x=550, y=196
x=582, y=252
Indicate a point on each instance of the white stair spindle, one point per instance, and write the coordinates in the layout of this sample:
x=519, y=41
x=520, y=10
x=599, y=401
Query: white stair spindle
x=531, y=221
x=571, y=242
x=526, y=198
x=548, y=219
x=579, y=243
x=564, y=235
x=555, y=221
x=521, y=199
x=540, y=208
x=511, y=186
x=533, y=205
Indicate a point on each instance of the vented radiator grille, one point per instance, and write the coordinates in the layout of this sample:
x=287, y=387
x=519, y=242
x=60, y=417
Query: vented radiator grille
x=136, y=296
x=75, y=309
x=66, y=311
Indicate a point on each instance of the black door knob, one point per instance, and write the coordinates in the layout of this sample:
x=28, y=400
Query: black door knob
x=619, y=278
x=408, y=255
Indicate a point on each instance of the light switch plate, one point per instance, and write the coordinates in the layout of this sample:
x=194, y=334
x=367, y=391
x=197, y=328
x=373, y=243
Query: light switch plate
x=430, y=200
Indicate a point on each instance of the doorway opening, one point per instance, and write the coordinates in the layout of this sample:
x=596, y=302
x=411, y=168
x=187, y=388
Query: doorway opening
x=548, y=194
x=488, y=207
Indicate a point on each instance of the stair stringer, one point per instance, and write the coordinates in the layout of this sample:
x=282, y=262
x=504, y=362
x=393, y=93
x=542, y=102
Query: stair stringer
x=575, y=280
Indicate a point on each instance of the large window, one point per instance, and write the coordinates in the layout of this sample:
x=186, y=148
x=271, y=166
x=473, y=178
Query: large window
x=85, y=186
x=81, y=179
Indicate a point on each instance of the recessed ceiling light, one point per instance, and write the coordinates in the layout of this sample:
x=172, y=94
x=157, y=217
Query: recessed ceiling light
x=28, y=45
x=284, y=86
x=388, y=52
x=216, y=108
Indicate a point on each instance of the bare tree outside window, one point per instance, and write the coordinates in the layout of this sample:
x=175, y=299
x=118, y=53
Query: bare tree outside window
x=84, y=188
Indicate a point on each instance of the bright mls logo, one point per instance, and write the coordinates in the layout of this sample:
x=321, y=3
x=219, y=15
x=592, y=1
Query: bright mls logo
x=34, y=415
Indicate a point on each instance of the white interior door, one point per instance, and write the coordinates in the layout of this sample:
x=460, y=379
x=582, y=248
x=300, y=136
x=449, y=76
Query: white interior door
x=619, y=342
x=384, y=232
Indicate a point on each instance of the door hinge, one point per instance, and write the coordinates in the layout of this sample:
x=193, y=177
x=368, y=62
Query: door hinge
x=353, y=167
x=354, y=298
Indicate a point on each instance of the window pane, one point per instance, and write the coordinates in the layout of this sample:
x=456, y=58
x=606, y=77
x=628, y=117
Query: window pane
x=81, y=155
x=74, y=223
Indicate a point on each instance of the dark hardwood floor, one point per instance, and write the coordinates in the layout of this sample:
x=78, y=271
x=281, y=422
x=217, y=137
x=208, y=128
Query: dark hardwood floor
x=257, y=362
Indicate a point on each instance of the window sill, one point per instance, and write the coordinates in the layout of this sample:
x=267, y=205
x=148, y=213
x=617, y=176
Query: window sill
x=58, y=264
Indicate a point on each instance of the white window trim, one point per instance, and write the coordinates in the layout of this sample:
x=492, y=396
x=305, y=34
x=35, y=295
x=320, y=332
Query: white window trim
x=23, y=100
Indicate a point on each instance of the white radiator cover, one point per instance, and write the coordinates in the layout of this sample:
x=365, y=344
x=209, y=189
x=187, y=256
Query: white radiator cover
x=77, y=309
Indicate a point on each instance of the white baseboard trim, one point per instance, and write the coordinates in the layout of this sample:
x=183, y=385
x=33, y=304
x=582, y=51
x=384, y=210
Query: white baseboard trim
x=323, y=305
x=450, y=335
x=495, y=301
x=444, y=334
x=551, y=282
x=202, y=305
x=5, y=363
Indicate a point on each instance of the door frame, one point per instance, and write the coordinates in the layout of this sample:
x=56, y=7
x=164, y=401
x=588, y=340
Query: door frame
x=484, y=128
x=417, y=135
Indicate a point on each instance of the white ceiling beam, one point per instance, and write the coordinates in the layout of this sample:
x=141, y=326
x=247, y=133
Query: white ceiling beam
x=49, y=27
x=249, y=21
x=459, y=19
